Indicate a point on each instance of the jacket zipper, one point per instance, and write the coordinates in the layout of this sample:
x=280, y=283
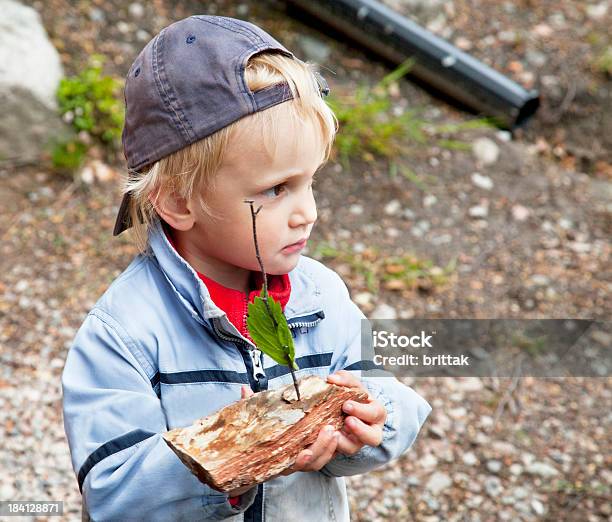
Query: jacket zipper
x=251, y=357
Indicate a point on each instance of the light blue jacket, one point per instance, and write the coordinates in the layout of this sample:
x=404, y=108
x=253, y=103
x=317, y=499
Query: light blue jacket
x=156, y=353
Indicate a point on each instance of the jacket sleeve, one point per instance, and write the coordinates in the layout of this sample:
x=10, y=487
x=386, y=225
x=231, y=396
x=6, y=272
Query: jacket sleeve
x=114, y=420
x=406, y=409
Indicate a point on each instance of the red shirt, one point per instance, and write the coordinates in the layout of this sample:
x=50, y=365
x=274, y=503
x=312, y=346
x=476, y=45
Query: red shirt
x=235, y=303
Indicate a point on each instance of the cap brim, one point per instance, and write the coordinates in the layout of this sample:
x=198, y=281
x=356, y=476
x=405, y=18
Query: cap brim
x=123, y=221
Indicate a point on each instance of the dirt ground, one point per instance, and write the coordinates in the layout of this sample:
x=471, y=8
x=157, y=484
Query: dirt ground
x=536, y=247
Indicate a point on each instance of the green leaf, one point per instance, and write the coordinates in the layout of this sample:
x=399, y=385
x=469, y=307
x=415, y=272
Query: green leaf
x=275, y=341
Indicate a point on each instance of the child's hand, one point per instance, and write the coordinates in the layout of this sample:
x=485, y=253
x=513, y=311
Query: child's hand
x=365, y=422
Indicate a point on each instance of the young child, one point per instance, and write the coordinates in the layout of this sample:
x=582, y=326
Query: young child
x=219, y=113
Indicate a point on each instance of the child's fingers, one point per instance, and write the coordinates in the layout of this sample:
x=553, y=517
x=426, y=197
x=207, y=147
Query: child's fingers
x=327, y=451
x=370, y=435
x=322, y=448
x=348, y=444
x=345, y=378
x=246, y=392
x=371, y=413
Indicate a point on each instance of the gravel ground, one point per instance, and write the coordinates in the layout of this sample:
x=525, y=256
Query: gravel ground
x=530, y=233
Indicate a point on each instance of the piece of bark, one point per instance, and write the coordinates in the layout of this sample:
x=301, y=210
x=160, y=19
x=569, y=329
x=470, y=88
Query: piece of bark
x=254, y=439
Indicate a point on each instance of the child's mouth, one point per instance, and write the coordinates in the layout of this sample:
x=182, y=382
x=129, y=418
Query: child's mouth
x=295, y=247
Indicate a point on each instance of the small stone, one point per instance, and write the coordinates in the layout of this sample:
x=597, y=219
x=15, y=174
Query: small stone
x=359, y=248
x=579, y=247
x=429, y=461
x=541, y=469
x=363, y=298
x=408, y=214
x=429, y=200
x=392, y=232
x=142, y=35
x=494, y=466
x=479, y=211
x=565, y=224
x=504, y=136
x=97, y=15
x=413, y=481
x=536, y=58
x=486, y=151
x=493, y=486
x=356, y=209
x=483, y=182
x=393, y=207
x=539, y=280
x=597, y=11
x=469, y=459
x=475, y=501
x=242, y=10
x=441, y=239
x=520, y=213
x=516, y=469
x=438, y=482
x=136, y=10
x=384, y=311
x=538, y=507
x=543, y=30
x=463, y=43
x=520, y=493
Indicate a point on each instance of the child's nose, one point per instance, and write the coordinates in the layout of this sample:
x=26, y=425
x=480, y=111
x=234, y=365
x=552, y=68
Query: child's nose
x=304, y=212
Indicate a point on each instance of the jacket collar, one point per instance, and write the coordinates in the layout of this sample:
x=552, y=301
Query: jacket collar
x=192, y=293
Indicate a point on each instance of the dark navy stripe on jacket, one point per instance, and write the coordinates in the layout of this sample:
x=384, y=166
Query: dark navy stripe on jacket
x=110, y=448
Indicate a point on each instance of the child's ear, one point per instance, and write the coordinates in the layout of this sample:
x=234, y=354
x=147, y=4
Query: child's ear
x=173, y=209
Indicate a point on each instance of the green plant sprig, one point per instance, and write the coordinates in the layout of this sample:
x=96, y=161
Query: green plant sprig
x=266, y=322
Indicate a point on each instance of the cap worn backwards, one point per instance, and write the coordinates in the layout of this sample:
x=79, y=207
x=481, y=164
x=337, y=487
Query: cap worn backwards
x=188, y=83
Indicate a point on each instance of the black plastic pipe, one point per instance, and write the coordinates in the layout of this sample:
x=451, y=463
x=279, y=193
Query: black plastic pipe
x=436, y=62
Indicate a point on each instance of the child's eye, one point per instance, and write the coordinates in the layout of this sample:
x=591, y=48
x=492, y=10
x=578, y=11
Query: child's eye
x=274, y=191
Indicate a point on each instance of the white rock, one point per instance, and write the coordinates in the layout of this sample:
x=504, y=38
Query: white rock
x=597, y=11
x=363, y=298
x=493, y=486
x=520, y=493
x=503, y=135
x=356, y=209
x=393, y=207
x=479, y=211
x=30, y=72
x=438, y=482
x=384, y=311
x=520, y=213
x=516, y=469
x=429, y=200
x=136, y=10
x=471, y=384
x=538, y=507
x=392, y=232
x=494, y=466
x=408, y=214
x=469, y=459
x=428, y=461
x=483, y=182
x=579, y=248
x=475, y=501
x=539, y=280
x=28, y=58
x=542, y=469
x=486, y=151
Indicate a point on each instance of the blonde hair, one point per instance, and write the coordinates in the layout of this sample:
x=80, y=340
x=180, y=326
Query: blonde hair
x=190, y=171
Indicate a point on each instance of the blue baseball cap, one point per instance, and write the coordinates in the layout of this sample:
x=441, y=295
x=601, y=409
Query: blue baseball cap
x=188, y=83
